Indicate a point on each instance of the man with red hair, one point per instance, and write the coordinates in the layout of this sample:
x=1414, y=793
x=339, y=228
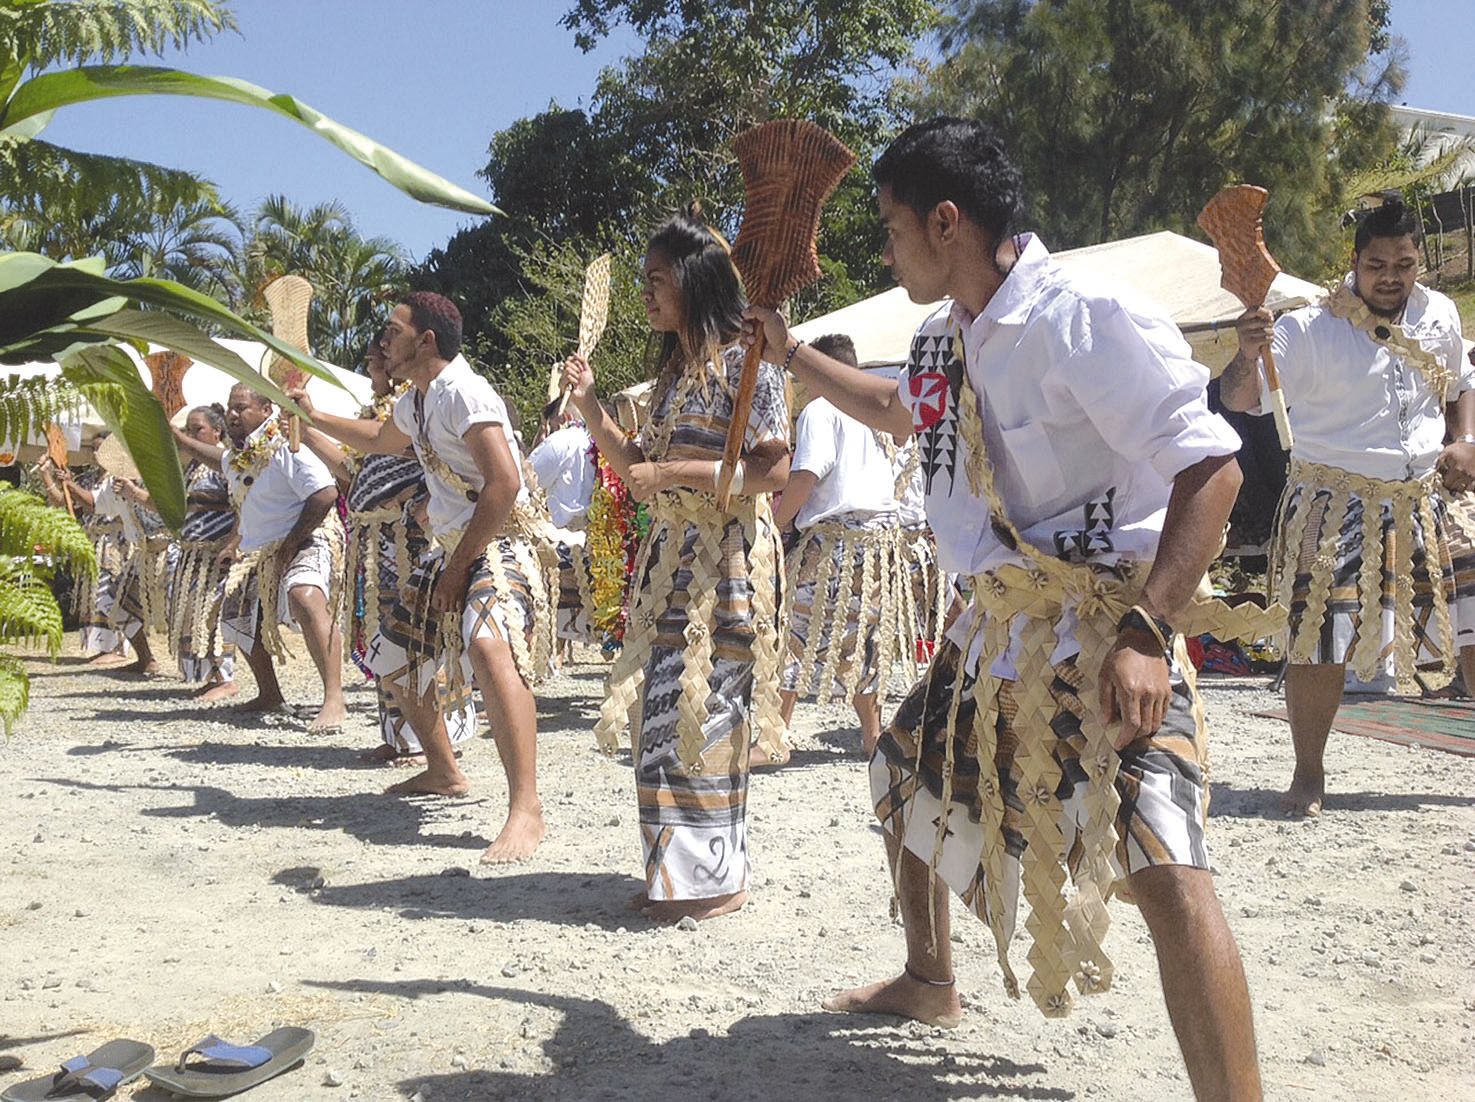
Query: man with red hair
x=471, y=603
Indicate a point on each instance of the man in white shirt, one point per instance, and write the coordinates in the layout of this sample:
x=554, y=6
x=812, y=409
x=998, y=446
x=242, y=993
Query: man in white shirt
x=563, y=464
x=287, y=555
x=473, y=605
x=1066, y=444
x=1364, y=556
x=844, y=569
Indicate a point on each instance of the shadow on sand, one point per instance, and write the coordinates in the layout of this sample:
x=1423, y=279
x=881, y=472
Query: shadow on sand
x=598, y=1054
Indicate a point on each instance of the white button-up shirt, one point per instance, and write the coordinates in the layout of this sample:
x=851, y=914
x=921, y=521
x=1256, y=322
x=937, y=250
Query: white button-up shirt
x=1091, y=405
x=455, y=400
x=274, y=501
x=1355, y=404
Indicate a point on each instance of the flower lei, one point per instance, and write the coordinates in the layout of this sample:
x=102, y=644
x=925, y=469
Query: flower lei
x=612, y=537
x=252, y=459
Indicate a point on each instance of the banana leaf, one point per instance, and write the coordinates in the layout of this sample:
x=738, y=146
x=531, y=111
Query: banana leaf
x=54, y=90
x=101, y=373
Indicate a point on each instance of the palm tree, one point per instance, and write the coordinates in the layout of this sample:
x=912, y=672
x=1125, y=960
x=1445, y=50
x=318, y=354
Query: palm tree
x=194, y=242
x=352, y=275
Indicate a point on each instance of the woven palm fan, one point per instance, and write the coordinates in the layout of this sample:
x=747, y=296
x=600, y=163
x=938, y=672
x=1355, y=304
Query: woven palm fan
x=112, y=455
x=790, y=167
x=593, y=315
x=167, y=372
x=1233, y=219
x=289, y=297
x=56, y=453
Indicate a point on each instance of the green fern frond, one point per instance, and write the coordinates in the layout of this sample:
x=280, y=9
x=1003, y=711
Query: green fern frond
x=82, y=31
x=29, y=526
x=27, y=406
x=29, y=614
x=15, y=692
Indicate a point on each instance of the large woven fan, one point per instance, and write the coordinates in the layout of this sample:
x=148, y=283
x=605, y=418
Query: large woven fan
x=289, y=297
x=1233, y=219
x=167, y=372
x=790, y=167
x=593, y=316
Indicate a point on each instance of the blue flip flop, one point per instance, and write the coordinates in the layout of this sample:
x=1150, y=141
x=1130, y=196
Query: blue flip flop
x=229, y=1069
x=95, y=1076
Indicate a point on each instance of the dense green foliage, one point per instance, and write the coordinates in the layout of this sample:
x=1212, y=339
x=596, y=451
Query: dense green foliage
x=1126, y=115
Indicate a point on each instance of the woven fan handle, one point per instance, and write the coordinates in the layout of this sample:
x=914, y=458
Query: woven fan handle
x=737, y=429
x=1277, y=399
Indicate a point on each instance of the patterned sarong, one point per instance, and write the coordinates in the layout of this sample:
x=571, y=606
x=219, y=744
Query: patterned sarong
x=415, y=649
x=847, y=587
x=1360, y=583
x=256, y=592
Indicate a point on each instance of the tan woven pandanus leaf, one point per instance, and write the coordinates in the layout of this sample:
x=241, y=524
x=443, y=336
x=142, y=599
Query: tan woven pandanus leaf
x=593, y=316
x=56, y=454
x=790, y=167
x=1233, y=219
x=166, y=369
x=289, y=298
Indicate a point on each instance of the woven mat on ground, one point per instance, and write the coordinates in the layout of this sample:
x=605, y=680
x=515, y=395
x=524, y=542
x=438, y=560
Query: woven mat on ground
x=1447, y=725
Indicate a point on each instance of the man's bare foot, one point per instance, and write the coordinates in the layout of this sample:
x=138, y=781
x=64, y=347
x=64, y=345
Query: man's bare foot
x=221, y=690
x=144, y=668
x=1304, y=798
x=383, y=754
x=431, y=783
x=520, y=836
x=674, y=910
x=330, y=717
x=108, y=659
x=261, y=704
x=638, y=902
x=904, y=997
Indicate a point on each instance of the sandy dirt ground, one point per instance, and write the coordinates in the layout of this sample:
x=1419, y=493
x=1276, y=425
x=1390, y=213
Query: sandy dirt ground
x=174, y=871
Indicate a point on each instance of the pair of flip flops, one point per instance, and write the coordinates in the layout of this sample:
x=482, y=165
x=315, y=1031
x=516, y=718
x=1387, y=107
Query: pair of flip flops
x=222, y=1068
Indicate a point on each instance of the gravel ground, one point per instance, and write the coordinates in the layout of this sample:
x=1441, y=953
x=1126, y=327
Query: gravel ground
x=175, y=871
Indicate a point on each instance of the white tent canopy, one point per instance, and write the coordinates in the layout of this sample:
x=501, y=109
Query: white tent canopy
x=204, y=385
x=1174, y=272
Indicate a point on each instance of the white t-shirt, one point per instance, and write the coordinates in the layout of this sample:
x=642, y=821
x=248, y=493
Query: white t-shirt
x=274, y=501
x=565, y=471
x=455, y=400
x=1355, y=404
x=854, y=472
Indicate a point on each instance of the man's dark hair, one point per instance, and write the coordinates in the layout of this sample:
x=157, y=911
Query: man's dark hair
x=257, y=398
x=961, y=160
x=437, y=313
x=1392, y=219
x=837, y=346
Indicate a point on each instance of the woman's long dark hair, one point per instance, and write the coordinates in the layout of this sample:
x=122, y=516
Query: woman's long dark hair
x=712, y=298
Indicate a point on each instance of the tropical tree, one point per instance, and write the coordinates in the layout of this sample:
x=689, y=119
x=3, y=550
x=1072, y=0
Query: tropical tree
x=73, y=311
x=352, y=276
x=1125, y=117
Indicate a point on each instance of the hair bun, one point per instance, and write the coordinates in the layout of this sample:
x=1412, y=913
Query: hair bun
x=1392, y=206
x=693, y=210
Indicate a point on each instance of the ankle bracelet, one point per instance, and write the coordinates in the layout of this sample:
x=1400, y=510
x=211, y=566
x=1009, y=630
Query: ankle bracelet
x=907, y=968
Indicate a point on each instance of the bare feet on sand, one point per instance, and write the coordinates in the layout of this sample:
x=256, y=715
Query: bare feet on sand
x=107, y=660
x=638, y=902
x=221, y=690
x=261, y=704
x=139, y=666
x=384, y=754
x=520, y=836
x=904, y=997
x=431, y=783
x=330, y=717
x=1304, y=798
x=674, y=910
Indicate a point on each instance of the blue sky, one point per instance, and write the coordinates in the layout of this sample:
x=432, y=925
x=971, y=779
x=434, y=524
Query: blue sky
x=435, y=79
